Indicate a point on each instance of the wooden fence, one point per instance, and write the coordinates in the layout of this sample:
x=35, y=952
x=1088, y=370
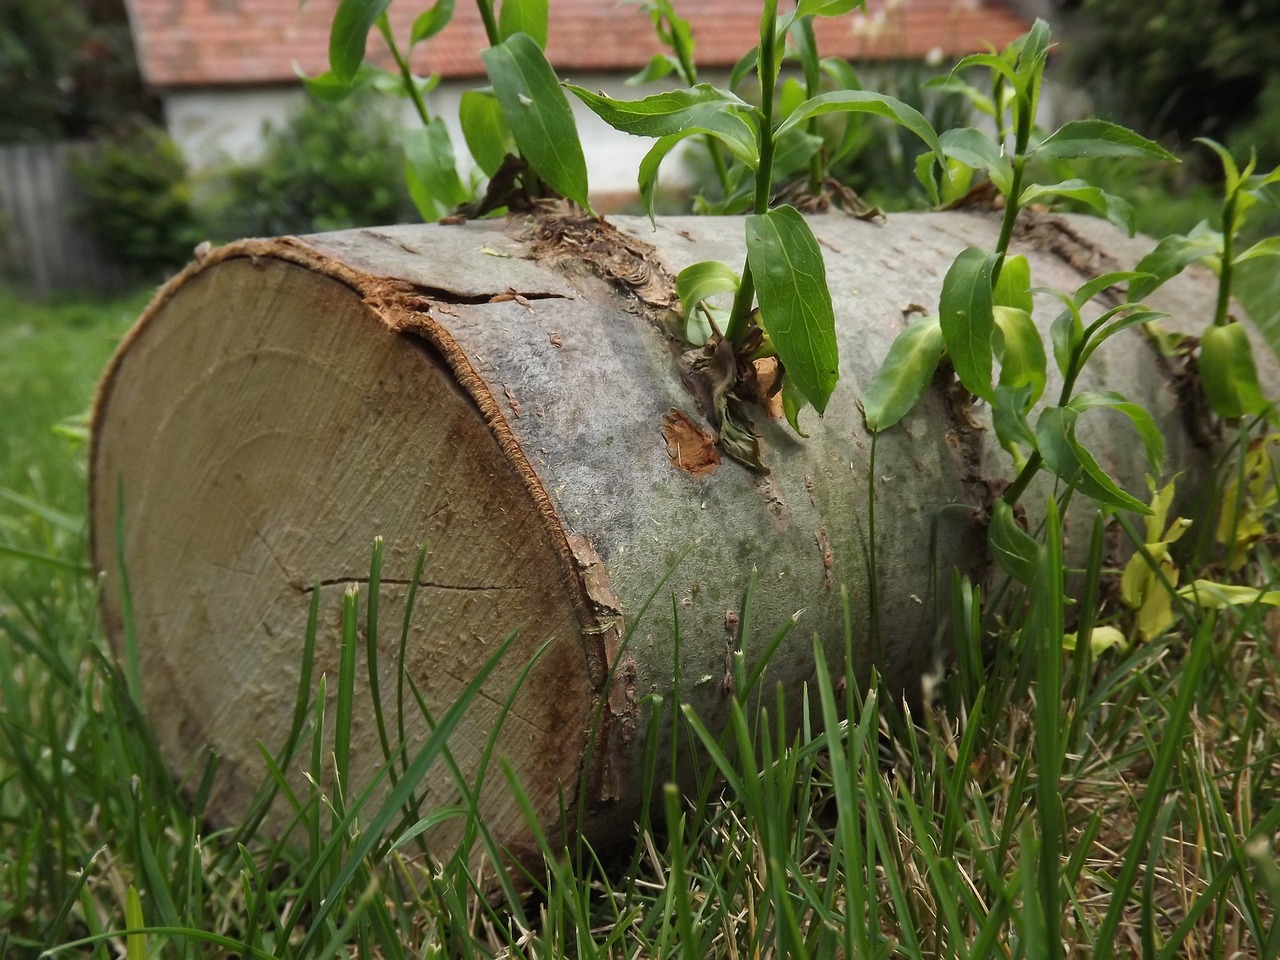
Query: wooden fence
x=44, y=246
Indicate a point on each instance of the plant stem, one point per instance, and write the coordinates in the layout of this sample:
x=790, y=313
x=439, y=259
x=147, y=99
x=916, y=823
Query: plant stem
x=406, y=74
x=717, y=161
x=1022, y=136
x=689, y=73
x=742, y=301
x=490, y=24
x=873, y=570
x=1010, y=212
x=812, y=83
x=1019, y=485
x=997, y=93
x=766, y=69
x=1225, y=271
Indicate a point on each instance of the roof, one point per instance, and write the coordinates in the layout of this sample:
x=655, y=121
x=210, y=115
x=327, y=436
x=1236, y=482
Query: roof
x=198, y=43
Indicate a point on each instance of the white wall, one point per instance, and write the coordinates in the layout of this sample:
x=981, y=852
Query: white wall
x=212, y=126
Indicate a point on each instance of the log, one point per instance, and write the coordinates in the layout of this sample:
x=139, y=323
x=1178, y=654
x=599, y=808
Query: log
x=506, y=391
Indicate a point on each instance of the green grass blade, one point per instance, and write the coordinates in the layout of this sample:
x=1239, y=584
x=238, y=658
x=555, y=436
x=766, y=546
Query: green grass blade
x=1197, y=661
x=372, y=833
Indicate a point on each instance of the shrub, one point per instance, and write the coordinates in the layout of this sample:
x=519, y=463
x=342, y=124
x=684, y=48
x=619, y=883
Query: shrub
x=137, y=197
x=332, y=166
x=1182, y=68
x=66, y=67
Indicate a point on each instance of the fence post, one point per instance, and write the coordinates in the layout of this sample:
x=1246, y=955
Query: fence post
x=44, y=246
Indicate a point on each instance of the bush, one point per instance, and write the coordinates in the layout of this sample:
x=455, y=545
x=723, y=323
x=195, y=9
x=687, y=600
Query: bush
x=332, y=167
x=66, y=67
x=137, y=197
x=1180, y=69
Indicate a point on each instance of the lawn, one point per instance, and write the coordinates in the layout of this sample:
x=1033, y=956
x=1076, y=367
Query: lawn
x=51, y=356
x=1052, y=803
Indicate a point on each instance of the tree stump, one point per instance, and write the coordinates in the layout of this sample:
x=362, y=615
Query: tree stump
x=506, y=392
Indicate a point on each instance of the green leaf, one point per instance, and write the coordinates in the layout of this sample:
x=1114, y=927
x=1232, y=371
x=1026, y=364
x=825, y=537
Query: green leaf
x=899, y=383
x=135, y=943
x=1265, y=179
x=1013, y=289
x=792, y=404
x=1013, y=549
x=672, y=30
x=840, y=72
x=1033, y=52
x=1009, y=417
x=866, y=101
x=1231, y=173
x=485, y=129
x=952, y=84
x=329, y=88
x=524, y=16
x=695, y=284
x=431, y=21
x=828, y=8
x=659, y=66
x=804, y=47
x=995, y=63
x=975, y=149
x=1067, y=333
x=1022, y=359
x=352, y=22
x=1087, y=291
x=1115, y=209
x=790, y=95
x=792, y=151
x=1085, y=139
x=1171, y=255
x=1228, y=372
x=795, y=304
x=1129, y=317
x=1143, y=422
x=730, y=129
x=1065, y=456
x=434, y=182
x=925, y=165
x=742, y=69
x=538, y=114
x=1269, y=247
x=663, y=114
x=965, y=312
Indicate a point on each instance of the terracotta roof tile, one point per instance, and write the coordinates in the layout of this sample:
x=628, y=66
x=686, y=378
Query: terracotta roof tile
x=184, y=43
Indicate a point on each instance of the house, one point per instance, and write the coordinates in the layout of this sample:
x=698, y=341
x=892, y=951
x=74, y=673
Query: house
x=224, y=67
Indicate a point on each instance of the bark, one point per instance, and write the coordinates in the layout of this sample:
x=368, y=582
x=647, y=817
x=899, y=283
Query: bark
x=505, y=391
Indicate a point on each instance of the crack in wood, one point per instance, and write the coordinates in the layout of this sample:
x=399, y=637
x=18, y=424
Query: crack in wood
x=390, y=581
x=453, y=297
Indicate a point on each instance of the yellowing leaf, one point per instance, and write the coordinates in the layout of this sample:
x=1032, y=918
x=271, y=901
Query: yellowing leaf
x=1161, y=500
x=1156, y=613
x=1141, y=590
x=1240, y=523
x=1101, y=639
x=1216, y=596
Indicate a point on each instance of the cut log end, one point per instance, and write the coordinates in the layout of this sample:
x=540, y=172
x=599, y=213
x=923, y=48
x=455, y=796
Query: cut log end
x=262, y=427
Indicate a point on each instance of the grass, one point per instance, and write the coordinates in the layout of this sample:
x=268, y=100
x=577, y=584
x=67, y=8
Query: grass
x=1049, y=804
x=51, y=356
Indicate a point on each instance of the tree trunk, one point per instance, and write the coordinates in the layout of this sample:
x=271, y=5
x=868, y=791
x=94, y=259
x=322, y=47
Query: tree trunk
x=507, y=393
